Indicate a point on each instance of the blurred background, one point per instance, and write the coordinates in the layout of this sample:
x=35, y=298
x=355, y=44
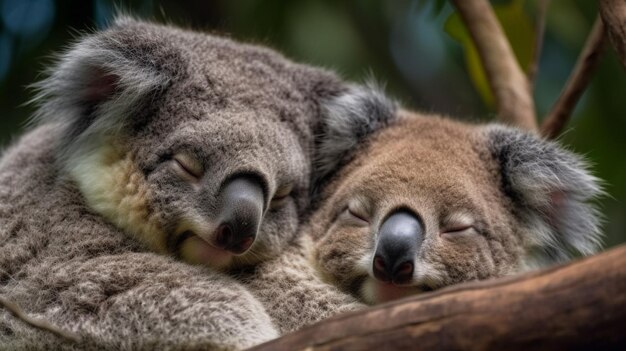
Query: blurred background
x=417, y=47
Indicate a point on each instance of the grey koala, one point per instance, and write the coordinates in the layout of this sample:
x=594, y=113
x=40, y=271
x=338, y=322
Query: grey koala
x=152, y=144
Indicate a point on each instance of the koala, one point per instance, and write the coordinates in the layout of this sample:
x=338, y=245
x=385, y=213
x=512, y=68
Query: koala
x=425, y=203
x=156, y=145
x=190, y=144
x=430, y=202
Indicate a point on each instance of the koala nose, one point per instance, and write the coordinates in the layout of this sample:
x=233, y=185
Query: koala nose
x=242, y=203
x=399, y=238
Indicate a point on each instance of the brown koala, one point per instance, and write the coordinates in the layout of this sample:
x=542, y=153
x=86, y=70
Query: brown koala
x=431, y=202
x=425, y=203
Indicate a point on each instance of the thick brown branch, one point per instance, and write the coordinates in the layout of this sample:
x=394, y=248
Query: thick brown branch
x=576, y=84
x=508, y=83
x=581, y=305
x=613, y=14
x=540, y=28
x=37, y=323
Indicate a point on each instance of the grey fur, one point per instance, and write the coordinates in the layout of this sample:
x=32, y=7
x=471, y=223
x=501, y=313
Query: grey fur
x=293, y=292
x=533, y=170
x=90, y=193
x=164, y=94
x=137, y=73
x=61, y=262
x=351, y=118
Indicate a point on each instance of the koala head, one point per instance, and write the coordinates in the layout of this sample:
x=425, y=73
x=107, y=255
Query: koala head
x=429, y=202
x=195, y=145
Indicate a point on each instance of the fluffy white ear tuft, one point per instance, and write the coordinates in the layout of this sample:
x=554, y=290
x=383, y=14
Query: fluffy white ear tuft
x=553, y=193
x=348, y=119
x=98, y=84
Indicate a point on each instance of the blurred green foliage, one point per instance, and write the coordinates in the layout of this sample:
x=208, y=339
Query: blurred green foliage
x=402, y=43
x=519, y=30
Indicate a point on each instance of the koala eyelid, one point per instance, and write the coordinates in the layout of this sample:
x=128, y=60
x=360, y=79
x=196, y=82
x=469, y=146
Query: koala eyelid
x=457, y=230
x=357, y=211
x=357, y=215
x=283, y=192
x=189, y=165
x=458, y=223
x=281, y=196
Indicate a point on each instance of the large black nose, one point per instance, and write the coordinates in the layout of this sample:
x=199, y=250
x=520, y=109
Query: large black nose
x=399, y=239
x=241, y=201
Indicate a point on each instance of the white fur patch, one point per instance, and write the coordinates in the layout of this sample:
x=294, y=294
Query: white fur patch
x=114, y=187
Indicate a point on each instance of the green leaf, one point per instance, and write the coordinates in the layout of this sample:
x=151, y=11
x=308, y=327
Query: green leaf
x=519, y=31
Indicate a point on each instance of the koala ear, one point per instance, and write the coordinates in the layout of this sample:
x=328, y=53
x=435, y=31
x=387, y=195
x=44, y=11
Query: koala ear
x=552, y=191
x=347, y=119
x=102, y=80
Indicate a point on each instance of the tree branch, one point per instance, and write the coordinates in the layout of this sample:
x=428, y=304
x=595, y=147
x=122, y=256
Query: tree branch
x=613, y=14
x=508, y=83
x=577, y=82
x=540, y=28
x=37, y=323
x=581, y=305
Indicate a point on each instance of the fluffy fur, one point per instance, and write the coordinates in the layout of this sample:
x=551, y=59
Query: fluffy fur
x=525, y=202
x=553, y=189
x=93, y=204
x=127, y=100
x=62, y=262
x=520, y=195
x=346, y=129
x=292, y=290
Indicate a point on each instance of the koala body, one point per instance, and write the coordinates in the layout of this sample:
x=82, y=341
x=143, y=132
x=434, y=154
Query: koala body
x=426, y=203
x=154, y=144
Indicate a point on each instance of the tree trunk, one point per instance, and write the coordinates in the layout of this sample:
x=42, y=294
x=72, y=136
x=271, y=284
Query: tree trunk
x=581, y=305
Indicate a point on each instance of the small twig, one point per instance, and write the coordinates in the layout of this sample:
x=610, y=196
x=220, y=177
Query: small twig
x=577, y=82
x=613, y=14
x=508, y=82
x=540, y=28
x=37, y=323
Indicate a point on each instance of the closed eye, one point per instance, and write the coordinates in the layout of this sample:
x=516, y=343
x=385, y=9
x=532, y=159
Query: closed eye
x=354, y=217
x=459, y=223
x=357, y=215
x=189, y=166
x=458, y=229
x=281, y=196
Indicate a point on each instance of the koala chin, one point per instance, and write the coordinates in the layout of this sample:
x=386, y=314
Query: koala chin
x=430, y=202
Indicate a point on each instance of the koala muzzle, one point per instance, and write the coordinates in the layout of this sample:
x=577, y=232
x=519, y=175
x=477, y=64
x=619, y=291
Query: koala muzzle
x=242, y=203
x=399, y=239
